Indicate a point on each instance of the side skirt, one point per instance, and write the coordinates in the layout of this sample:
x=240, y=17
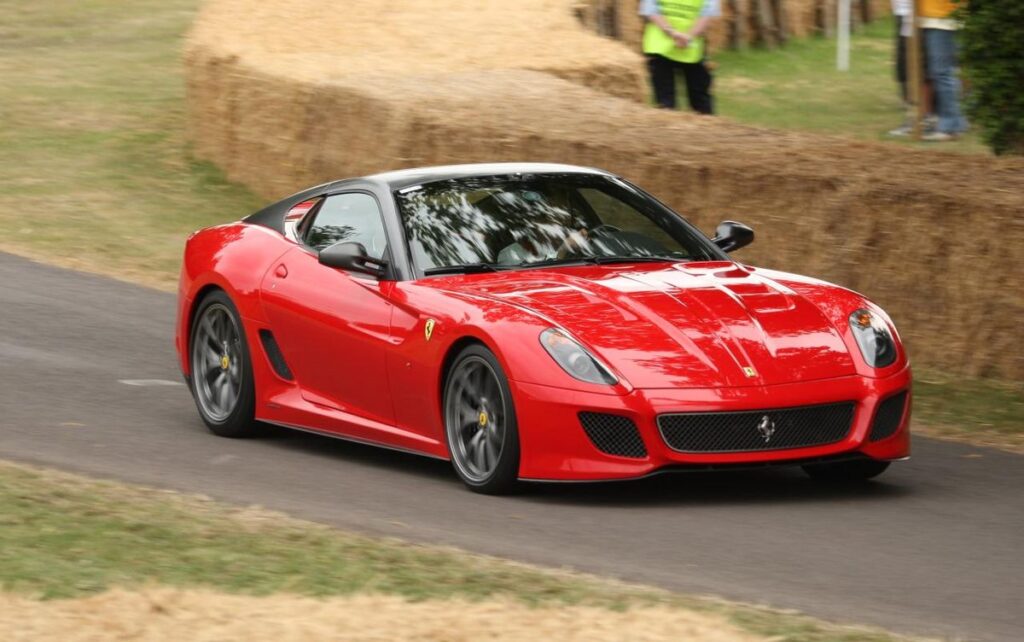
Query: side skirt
x=355, y=440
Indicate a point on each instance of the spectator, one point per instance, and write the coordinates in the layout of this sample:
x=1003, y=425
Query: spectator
x=674, y=42
x=938, y=29
x=903, y=10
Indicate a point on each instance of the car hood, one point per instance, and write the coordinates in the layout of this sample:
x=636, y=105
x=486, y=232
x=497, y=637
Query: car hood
x=686, y=325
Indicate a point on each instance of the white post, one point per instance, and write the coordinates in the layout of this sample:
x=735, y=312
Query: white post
x=843, y=31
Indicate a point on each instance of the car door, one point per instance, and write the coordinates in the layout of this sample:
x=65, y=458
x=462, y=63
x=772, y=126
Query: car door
x=333, y=325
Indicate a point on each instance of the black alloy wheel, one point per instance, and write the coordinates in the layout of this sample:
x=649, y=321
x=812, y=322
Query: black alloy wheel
x=221, y=372
x=480, y=422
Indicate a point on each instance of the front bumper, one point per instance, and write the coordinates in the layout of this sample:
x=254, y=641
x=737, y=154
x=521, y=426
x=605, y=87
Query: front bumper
x=554, y=446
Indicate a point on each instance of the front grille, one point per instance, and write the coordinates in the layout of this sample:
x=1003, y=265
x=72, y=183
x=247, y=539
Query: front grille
x=756, y=430
x=887, y=417
x=613, y=434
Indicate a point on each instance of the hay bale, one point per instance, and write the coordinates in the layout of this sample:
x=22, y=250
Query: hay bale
x=925, y=234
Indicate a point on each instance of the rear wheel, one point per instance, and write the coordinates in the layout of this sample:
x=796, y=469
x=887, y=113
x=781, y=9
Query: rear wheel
x=480, y=422
x=221, y=380
x=846, y=471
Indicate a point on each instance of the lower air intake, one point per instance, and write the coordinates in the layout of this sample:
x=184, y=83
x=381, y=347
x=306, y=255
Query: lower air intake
x=613, y=434
x=756, y=430
x=887, y=417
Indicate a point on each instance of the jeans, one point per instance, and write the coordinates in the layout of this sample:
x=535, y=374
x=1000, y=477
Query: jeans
x=698, y=83
x=941, y=48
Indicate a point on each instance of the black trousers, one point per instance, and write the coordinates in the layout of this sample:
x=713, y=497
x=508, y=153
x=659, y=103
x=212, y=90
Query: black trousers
x=902, y=59
x=698, y=83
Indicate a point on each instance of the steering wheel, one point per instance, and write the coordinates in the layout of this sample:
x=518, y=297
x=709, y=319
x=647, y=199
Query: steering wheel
x=604, y=228
x=572, y=245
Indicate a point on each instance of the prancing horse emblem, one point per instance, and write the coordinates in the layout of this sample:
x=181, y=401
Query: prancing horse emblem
x=428, y=329
x=767, y=428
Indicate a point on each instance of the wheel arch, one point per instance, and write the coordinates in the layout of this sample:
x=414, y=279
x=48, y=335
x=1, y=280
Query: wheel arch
x=187, y=308
x=453, y=351
x=201, y=294
x=233, y=258
x=193, y=308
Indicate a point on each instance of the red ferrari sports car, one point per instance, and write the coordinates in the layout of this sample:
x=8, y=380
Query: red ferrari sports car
x=533, y=322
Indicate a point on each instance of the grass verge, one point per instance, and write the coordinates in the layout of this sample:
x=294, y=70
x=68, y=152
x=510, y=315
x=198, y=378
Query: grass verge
x=160, y=614
x=977, y=411
x=65, y=536
x=96, y=172
x=798, y=87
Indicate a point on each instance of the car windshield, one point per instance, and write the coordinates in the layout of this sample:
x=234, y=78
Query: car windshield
x=523, y=221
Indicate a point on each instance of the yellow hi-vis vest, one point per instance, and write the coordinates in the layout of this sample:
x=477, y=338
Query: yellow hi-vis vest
x=681, y=14
x=936, y=8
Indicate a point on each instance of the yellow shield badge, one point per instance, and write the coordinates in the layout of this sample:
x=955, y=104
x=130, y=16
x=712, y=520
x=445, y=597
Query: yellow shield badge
x=428, y=329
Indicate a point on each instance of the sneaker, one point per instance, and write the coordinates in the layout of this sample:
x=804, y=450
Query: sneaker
x=938, y=137
x=902, y=130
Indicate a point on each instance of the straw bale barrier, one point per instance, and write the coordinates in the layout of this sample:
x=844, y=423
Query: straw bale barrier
x=285, y=93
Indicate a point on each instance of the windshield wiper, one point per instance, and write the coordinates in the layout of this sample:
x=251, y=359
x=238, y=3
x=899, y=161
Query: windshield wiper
x=464, y=268
x=599, y=260
x=569, y=260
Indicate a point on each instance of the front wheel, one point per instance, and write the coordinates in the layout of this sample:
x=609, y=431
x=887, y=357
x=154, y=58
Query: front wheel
x=846, y=471
x=480, y=422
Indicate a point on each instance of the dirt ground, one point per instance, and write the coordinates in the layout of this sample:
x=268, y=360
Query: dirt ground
x=933, y=237
x=161, y=614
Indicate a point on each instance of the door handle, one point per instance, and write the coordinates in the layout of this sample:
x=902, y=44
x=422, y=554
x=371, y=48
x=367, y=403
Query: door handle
x=281, y=271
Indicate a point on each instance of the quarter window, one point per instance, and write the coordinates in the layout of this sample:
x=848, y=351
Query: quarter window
x=353, y=218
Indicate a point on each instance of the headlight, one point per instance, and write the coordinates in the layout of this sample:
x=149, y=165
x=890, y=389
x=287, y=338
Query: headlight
x=574, y=359
x=873, y=337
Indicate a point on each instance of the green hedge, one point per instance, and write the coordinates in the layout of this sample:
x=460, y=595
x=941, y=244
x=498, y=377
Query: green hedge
x=993, y=60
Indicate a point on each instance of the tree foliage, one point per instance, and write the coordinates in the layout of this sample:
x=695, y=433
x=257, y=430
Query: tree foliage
x=993, y=59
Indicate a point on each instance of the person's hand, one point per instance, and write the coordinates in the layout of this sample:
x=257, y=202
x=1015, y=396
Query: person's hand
x=681, y=39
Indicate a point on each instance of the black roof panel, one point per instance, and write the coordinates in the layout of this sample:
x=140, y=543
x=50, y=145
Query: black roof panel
x=272, y=216
x=407, y=177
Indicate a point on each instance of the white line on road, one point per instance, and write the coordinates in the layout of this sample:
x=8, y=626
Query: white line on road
x=149, y=382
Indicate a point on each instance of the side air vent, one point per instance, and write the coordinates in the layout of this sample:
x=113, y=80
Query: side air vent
x=613, y=434
x=888, y=416
x=274, y=355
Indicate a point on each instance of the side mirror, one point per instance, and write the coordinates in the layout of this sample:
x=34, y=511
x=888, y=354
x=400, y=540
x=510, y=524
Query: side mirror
x=352, y=257
x=731, y=236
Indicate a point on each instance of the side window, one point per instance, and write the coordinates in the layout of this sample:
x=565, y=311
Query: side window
x=349, y=217
x=298, y=218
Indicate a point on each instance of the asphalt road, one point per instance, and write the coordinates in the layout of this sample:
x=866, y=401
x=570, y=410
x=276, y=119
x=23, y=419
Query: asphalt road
x=935, y=547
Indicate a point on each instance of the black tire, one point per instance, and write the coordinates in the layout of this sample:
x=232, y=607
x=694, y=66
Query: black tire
x=496, y=425
x=846, y=472
x=238, y=420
